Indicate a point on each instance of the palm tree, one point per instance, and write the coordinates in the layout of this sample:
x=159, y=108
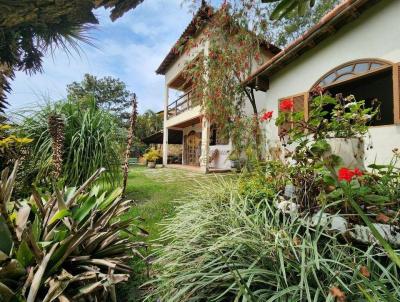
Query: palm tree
x=30, y=28
x=285, y=7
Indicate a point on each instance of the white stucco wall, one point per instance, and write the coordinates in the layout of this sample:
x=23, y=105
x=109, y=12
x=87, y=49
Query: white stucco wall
x=375, y=34
x=222, y=161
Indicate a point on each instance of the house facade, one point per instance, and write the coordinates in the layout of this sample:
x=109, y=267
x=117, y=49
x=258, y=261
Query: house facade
x=354, y=49
x=184, y=122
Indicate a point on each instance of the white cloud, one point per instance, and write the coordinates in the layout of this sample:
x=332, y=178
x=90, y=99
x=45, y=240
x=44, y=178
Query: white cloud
x=130, y=48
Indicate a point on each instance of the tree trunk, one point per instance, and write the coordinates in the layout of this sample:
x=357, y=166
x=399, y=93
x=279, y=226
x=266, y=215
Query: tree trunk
x=132, y=123
x=256, y=125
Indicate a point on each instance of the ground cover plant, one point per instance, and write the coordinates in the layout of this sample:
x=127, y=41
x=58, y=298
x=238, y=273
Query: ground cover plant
x=224, y=245
x=69, y=244
x=154, y=192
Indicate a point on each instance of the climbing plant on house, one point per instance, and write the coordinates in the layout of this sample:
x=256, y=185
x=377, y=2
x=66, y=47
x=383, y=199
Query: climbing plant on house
x=231, y=54
x=238, y=34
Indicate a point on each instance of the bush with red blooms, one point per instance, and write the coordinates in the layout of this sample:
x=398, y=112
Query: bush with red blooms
x=328, y=117
x=286, y=105
x=347, y=174
x=266, y=116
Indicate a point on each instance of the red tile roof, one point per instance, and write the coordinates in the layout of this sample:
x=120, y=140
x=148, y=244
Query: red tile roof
x=341, y=15
x=200, y=19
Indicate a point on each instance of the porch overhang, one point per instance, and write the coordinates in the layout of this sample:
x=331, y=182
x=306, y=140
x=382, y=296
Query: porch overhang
x=174, y=137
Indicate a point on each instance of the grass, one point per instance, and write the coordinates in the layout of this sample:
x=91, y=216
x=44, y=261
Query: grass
x=153, y=192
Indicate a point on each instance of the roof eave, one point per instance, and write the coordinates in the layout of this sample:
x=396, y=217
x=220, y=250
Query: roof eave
x=323, y=29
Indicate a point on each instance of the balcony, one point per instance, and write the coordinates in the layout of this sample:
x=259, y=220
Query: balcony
x=183, y=103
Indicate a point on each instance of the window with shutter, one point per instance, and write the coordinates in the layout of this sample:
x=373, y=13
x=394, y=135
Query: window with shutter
x=300, y=104
x=396, y=93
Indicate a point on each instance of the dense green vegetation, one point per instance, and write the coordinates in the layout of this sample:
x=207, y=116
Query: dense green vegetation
x=92, y=139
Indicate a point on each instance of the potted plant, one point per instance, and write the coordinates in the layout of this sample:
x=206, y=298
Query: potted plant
x=235, y=161
x=337, y=124
x=151, y=157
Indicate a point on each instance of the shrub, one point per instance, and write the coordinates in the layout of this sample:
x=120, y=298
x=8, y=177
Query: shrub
x=92, y=139
x=223, y=246
x=65, y=245
x=152, y=155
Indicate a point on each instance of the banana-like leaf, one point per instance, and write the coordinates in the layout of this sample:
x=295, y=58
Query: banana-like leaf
x=12, y=270
x=84, y=209
x=24, y=254
x=6, y=242
x=285, y=7
x=59, y=215
x=22, y=219
x=88, y=242
x=110, y=198
x=57, y=286
x=6, y=294
x=3, y=256
x=37, y=279
x=36, y=228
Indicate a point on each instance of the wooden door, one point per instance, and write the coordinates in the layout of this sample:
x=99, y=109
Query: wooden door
x=191, y=149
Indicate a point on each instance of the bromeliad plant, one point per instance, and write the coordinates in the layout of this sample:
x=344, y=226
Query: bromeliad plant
x=69, y=245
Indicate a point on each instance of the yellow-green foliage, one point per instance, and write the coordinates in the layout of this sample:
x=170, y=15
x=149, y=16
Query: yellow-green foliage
x=152, y=155
x=7, y=140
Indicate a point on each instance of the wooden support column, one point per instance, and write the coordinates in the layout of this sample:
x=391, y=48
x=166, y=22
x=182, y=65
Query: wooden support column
x=165, y=129
x=205, y=144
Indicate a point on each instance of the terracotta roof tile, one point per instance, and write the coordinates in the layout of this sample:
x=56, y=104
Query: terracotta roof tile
x=344, y=13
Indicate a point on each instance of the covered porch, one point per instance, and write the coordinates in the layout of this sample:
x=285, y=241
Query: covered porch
x=199, y=148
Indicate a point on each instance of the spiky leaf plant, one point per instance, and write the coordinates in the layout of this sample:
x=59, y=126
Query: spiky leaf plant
x=71, y=244
x=224, y=246
x=92, y=139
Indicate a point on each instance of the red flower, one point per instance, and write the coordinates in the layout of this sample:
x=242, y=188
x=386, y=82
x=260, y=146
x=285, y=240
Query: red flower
x=266, y=116
x=318, y=90
x=286, y=105
x=347, y=174
x=357, y=172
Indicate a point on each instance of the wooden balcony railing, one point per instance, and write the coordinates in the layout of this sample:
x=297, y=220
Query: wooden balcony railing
x=182, y=104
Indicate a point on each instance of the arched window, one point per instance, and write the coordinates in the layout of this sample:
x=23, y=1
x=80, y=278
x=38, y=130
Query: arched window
x=371, y=80
x=352, y=70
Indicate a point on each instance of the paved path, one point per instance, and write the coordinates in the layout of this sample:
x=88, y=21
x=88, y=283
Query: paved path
x=168, y=175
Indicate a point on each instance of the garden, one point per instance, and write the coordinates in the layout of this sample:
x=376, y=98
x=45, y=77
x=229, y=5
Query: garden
x=78, y=222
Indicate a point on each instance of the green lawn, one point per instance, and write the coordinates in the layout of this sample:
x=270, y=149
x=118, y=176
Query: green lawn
x=153, y=191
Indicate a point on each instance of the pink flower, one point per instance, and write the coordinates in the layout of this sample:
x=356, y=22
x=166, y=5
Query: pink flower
x=286, y=105
x=266, y=116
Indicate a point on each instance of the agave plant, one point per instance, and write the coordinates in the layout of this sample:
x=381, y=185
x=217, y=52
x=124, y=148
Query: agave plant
x=66, y=245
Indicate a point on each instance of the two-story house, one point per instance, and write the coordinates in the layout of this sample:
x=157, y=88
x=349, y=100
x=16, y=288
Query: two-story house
x=184, y=122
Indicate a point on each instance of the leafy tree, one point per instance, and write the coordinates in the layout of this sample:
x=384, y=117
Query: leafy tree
x=148, y=123
x=29, y=28
x=292, y=25
x=109, y=93
x=237, y=35
x=285, y=8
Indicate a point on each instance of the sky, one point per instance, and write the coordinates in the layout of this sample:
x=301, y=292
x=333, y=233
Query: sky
x=131, y=48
